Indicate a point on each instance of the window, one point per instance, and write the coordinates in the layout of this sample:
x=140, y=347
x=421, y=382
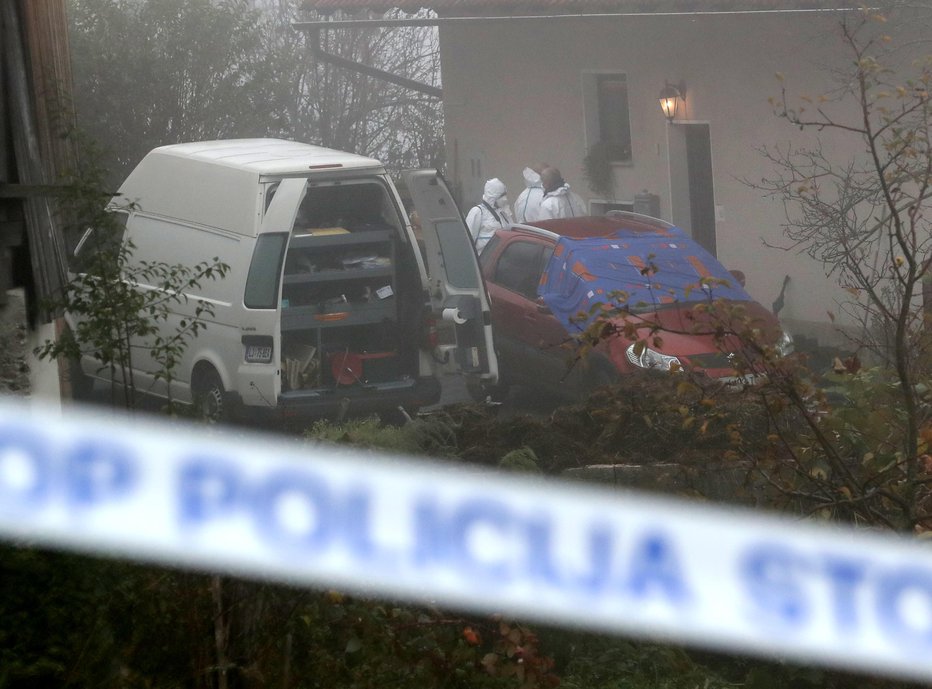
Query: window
x=520, y=266
x=458, y=254
x=485, y=258
x=607, y=119
x=264, y=271
x=354, y=206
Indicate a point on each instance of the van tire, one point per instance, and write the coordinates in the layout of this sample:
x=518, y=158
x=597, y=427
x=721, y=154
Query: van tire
x=82, y=386
x=210, y=401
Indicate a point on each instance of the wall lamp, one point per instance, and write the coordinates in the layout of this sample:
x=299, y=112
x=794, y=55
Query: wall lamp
x=670, y=97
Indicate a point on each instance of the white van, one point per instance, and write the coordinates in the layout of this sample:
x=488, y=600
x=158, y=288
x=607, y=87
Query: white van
x=329, y=307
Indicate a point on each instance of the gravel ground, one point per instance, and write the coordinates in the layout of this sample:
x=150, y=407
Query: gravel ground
x=14, y=371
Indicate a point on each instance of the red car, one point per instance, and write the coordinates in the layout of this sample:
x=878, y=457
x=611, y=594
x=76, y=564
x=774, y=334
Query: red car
x=543, y=278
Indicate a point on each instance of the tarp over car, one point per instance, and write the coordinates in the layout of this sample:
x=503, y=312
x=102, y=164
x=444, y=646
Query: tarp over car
x=644, y=270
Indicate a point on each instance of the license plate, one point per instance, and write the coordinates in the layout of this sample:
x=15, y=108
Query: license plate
x=258, y=354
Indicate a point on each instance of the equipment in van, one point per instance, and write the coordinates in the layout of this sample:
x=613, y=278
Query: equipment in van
x=327, y=307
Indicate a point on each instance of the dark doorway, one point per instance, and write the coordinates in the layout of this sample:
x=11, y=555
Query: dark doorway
x=693, y=192
x=701, y=191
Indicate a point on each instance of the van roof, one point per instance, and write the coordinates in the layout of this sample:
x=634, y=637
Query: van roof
x=266, y=156
x=216, y=183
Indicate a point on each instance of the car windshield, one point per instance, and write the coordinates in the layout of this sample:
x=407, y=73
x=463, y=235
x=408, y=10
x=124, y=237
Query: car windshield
x=642, y=271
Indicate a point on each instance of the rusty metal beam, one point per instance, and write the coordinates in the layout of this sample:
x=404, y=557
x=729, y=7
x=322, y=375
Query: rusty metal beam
x=537, y=18
x=411, y=84
x=313, y=37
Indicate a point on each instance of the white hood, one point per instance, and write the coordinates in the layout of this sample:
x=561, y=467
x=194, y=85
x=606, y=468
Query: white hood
x=531, y=178
x=494, y=190
x=560, y=191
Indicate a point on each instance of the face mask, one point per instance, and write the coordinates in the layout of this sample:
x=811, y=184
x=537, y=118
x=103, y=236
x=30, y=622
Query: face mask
x=501, y=202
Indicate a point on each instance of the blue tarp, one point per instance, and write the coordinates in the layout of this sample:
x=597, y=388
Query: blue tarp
x=585, y=272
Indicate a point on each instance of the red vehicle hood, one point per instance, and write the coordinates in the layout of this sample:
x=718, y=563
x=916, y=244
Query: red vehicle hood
x=693, y=336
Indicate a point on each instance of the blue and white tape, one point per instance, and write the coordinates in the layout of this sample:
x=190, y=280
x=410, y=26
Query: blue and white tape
x=538, y=549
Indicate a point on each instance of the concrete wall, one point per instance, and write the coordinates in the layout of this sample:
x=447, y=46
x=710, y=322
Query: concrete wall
x=513, y=96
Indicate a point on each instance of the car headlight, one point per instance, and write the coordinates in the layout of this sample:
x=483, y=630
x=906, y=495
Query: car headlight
x=650, y=358
x=784, y=345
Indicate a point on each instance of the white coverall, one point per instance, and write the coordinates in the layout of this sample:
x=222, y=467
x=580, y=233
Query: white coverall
x=562, y=203
x=527, y=206
x=490, y=214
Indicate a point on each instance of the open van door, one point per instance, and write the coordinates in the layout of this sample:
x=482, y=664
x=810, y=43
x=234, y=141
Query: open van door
x=457, y=291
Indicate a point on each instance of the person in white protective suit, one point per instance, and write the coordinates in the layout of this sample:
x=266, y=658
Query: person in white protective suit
x=527, y=205
x=489, y=214
x=559, y=201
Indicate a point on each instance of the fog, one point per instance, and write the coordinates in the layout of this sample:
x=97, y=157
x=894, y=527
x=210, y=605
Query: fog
x=485, y=90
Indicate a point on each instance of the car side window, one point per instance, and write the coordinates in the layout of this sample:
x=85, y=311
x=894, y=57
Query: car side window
x=519, y=268
x=485, y=258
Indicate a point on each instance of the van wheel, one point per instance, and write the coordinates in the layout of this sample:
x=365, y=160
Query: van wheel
x=81, y=385
x=480, y=391
x=210, y=403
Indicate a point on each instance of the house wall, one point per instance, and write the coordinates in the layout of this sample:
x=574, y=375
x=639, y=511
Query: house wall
x=513, y=97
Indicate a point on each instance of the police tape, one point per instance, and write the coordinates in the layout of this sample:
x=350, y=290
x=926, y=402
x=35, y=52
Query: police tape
x=540, y=549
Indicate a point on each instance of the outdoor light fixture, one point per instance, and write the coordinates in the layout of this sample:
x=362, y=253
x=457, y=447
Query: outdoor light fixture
x=670, y=97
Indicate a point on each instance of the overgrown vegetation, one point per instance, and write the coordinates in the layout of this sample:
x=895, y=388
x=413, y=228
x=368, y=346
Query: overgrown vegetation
x=597, y=169
x=867, y=221
x=854, y=446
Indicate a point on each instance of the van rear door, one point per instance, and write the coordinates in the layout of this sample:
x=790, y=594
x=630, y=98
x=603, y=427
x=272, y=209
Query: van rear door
x=458, y=292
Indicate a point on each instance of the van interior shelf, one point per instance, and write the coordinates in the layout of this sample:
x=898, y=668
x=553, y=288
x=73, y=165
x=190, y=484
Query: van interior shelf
x=363, y=273
x=313, y=241
x=300, y=317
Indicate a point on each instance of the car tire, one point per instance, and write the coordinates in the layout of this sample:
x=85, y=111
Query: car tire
x=210, y=403
x=602, y=372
